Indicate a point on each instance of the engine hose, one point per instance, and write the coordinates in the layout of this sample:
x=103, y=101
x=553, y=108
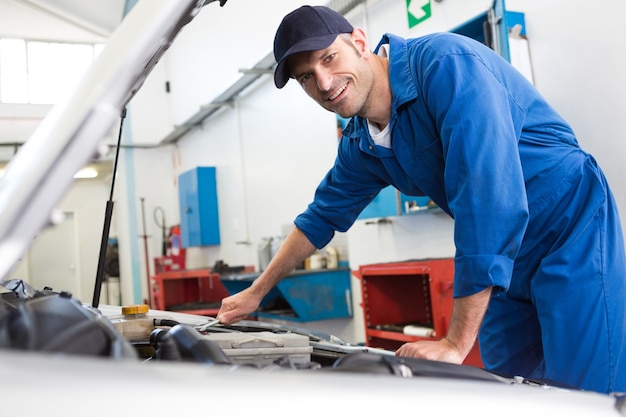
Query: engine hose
x=166, y=348
x=165, y=322
x=189, y=344
x=197, y=348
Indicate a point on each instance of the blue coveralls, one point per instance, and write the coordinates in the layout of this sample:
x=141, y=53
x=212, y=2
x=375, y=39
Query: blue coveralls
x=534, y=216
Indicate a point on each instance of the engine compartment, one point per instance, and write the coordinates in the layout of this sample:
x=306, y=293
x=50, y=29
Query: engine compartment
x=57, y=323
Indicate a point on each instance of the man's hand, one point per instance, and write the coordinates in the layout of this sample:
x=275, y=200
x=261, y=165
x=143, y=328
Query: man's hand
x=292, y=252
x=440, y=350
x=467, y=314
x=238, y=306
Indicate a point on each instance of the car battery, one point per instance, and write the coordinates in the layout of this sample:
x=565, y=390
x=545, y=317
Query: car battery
x=263, y=348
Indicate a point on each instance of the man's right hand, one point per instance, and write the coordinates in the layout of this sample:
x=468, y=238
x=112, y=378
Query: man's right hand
x=295, y=248
x=238, y=306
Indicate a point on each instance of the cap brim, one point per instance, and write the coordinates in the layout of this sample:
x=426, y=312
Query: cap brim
x=281, y=73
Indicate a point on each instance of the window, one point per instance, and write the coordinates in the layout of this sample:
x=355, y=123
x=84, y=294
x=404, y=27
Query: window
x=37, y=72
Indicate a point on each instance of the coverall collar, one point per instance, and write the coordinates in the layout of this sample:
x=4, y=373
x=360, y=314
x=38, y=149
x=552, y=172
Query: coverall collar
x=402, y=91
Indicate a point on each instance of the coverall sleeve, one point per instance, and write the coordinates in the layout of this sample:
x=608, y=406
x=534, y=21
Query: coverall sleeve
x=479, y=127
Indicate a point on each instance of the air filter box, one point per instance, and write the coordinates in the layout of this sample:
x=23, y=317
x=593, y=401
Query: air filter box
x=263, y=348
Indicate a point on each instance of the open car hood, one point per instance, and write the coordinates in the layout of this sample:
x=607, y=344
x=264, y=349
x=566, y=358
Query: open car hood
x=42, y=170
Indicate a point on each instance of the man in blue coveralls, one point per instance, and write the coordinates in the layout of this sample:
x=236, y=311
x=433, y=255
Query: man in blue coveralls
x=539, y=264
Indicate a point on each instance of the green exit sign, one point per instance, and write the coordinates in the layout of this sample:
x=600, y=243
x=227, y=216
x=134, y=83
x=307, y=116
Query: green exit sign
x=417, y=11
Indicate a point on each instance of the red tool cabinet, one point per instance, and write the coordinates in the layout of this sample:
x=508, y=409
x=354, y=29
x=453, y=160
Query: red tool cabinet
x=408, y=293
x=191, y=291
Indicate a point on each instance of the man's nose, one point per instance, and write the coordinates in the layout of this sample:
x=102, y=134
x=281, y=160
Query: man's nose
x=324, y=80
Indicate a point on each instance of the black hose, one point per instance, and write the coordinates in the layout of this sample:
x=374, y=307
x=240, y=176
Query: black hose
x=195, y=347
x=166, y=348
x=165, y=322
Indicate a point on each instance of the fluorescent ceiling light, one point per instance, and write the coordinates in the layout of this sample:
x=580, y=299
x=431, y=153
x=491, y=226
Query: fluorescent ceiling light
x=82, y=174
x=86, y=173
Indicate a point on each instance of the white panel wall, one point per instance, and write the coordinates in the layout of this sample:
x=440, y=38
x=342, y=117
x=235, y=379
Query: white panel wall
x=87, y=201
x=579, y=66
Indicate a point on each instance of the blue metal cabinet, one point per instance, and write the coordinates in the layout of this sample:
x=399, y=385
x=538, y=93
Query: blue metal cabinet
x=199, y=219
x=385, y=204
x=305, y=295
x=391, y=202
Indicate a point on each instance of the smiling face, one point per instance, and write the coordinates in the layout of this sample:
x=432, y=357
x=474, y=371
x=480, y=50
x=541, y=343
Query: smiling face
x=340, y=77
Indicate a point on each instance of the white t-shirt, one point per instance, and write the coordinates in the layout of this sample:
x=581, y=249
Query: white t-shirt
x=381, y=137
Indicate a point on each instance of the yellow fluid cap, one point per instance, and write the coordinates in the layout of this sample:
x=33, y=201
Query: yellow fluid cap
x=135, y=309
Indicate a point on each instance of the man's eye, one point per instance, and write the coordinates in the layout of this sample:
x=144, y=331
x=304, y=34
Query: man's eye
x=330, y=57
x=305, y=78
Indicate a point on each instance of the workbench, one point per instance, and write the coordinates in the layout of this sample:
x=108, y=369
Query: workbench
x=197, y=291
x=304, y=295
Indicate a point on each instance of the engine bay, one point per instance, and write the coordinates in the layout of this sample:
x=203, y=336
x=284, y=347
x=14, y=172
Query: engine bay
x=52, y=322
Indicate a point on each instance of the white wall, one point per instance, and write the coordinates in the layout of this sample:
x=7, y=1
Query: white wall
x=579, y=67
x=87, y=201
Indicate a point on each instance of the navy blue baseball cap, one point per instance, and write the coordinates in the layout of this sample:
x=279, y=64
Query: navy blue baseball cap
x=308, y=28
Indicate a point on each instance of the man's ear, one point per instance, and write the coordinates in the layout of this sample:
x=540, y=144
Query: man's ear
x=360, y=41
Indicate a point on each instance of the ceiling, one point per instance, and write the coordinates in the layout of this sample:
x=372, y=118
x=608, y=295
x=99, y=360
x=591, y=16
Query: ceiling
x=100, y=17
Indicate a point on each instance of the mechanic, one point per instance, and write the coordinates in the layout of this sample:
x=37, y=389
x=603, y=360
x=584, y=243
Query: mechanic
x=540, y=274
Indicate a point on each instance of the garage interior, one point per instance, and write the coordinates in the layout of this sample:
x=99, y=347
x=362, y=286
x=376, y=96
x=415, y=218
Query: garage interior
x=210, y=115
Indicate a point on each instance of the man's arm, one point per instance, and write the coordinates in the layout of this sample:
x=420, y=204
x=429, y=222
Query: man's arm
x=467, y=315
x=291, y=253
